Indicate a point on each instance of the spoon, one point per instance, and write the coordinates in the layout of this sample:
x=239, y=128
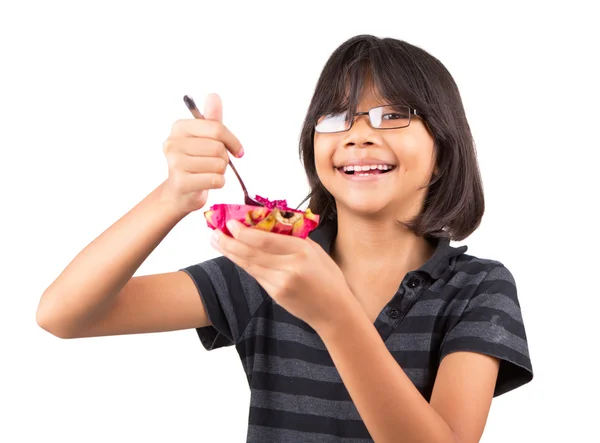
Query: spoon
x=191, y=105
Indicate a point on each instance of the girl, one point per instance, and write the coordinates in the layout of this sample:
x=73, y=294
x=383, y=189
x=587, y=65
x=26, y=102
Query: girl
x=372, y=329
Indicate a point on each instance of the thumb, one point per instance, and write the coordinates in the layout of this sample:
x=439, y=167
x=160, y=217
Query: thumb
x=213, y=108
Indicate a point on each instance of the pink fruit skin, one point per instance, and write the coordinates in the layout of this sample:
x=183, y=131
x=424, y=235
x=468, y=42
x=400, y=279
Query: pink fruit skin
x=219, y=214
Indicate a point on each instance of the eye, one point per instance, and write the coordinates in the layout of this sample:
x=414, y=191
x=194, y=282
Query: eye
x=394, y=116
x=333, y=122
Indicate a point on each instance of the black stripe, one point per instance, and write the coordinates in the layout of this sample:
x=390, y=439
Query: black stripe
x=308, y=423
x=416, y=359
x=284, y=349
x=449, y=293
x=263, y=434
x=433, y=324
x=300, y=386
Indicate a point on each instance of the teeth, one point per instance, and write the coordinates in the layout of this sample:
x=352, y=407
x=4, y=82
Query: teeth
x=357, y=168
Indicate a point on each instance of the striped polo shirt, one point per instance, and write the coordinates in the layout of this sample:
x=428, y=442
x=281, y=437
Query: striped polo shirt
x=454, y=302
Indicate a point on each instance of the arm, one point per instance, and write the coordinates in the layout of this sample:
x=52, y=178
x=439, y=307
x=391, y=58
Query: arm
x=389, y=403
x=96, y=294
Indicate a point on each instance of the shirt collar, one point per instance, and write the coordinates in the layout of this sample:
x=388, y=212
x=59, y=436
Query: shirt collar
x=438, y=263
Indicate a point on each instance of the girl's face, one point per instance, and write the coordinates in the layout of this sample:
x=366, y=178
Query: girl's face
x=405, y=160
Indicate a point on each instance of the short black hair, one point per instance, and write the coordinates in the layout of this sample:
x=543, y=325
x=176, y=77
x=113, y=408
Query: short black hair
x=403, y=74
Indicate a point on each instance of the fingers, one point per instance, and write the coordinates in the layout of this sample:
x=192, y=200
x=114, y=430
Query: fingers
x=197, y=152
x=244, y=255
x=269, y=242
x=209, y=129
x=197, y=165
x=188, y=183
x=196, y=147
x=264, y=275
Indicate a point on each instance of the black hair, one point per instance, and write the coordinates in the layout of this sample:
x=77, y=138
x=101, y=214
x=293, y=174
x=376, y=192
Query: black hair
x=403, y=74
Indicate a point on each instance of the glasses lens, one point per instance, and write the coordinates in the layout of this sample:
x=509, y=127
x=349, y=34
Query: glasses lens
x=390, y=117
x=333, y=123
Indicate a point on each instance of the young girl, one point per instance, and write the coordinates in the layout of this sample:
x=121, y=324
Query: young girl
x=372, y=329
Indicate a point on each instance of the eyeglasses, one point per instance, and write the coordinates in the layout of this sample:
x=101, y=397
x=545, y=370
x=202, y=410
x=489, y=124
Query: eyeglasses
x=381, y=117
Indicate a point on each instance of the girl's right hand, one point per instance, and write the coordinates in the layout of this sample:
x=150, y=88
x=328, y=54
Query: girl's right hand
x=197, y=158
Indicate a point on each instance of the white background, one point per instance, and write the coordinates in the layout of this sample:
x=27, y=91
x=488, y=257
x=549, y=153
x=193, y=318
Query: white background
x=89, y=91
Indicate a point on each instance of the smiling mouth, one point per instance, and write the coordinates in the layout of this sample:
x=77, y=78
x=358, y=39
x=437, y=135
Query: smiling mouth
x=366, y=170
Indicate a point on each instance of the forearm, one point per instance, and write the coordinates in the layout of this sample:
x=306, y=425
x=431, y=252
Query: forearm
x=103, y=268
x=391, y=407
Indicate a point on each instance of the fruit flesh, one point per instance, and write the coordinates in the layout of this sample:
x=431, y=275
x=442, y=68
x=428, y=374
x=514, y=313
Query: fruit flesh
x=275, y=217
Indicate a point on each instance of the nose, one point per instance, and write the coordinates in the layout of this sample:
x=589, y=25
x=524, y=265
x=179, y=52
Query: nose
x=361, y=133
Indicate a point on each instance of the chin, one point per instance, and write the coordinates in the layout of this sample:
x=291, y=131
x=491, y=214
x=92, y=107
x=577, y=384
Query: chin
x=364, y=206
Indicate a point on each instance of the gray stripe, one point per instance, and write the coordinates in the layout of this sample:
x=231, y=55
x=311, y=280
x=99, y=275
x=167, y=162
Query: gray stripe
x=490, y=332
x=303, y=404
x=254, y=294
x=462, y=279
x=267, y=327
x=262, y=434
x=427, y=308
x=409, y=341
x=500, y=273
x=292, y=367
x=496, y=301
x=218, y=281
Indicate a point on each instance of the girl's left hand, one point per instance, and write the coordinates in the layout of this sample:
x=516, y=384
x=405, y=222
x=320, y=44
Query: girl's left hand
x=297, y=273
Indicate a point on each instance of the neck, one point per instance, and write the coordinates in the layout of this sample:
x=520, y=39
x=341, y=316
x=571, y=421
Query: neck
x=367, y=245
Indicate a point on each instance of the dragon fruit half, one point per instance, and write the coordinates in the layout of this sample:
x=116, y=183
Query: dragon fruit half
x=275, y=217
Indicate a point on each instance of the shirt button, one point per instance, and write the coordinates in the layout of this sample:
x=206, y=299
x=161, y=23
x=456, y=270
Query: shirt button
x=394, y=313
x=414, y=282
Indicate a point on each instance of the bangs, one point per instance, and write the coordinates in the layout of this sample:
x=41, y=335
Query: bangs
x=365, y=64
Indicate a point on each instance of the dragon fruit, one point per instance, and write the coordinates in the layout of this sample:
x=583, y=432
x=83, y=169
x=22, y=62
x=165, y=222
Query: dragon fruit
x=275, y=217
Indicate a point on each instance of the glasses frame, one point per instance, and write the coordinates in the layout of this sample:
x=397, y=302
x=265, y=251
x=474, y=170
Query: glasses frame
x=411, y=112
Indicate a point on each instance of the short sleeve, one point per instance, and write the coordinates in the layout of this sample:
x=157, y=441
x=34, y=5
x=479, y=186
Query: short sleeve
x=492, y=324
x=230, y=296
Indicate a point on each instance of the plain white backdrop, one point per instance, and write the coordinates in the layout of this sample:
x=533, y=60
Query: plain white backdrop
x=88, y=94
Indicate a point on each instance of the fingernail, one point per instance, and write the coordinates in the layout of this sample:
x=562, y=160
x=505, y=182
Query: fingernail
x=241, y=153
x=214, y=239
